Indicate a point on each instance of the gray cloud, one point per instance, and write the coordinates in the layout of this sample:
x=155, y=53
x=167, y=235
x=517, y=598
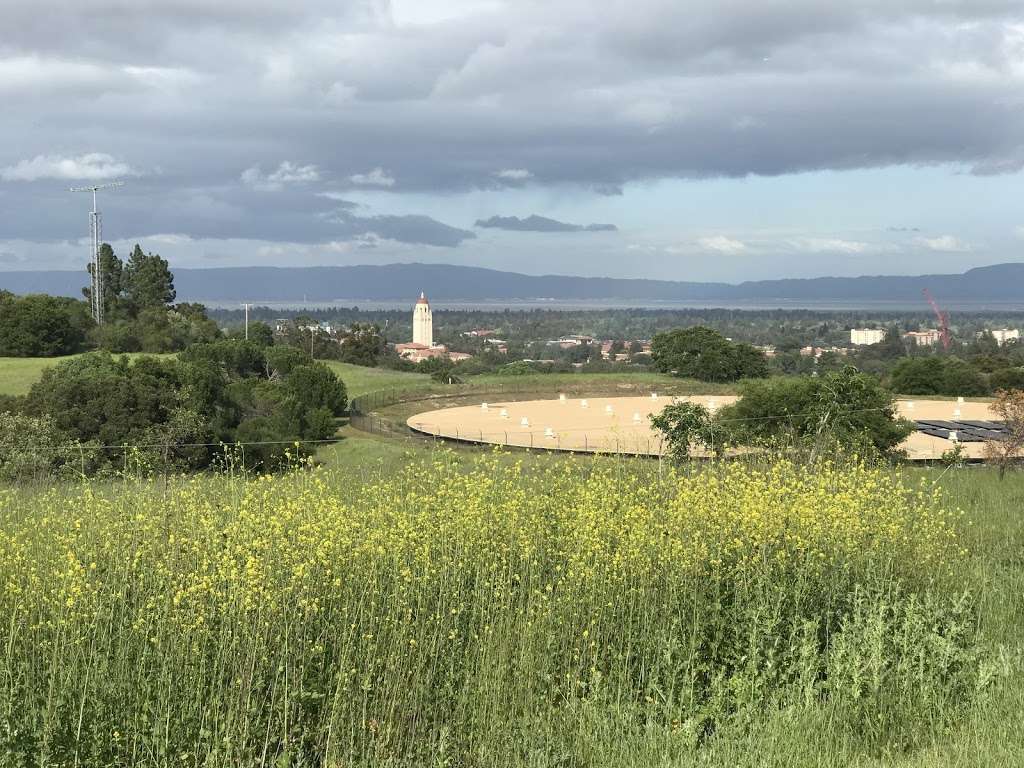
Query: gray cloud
x=537, y=223
x=403, y=229
x=515, y=94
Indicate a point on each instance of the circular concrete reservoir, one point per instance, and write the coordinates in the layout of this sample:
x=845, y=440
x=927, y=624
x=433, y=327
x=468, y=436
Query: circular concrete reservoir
x=622, y=424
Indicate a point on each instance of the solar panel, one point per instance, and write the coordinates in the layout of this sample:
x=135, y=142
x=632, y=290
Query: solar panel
x=967, y=431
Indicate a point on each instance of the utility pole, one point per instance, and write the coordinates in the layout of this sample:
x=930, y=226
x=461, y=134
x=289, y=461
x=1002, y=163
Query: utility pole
x=96, y=234
x=247, y=320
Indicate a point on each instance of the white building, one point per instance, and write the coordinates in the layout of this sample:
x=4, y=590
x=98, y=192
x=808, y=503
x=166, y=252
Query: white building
x=866, y=336
x=926, y=338
x=1003, y=335
x=423, y=323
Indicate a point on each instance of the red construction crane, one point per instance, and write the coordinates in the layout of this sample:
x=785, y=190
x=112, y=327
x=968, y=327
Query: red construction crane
x=942, y=317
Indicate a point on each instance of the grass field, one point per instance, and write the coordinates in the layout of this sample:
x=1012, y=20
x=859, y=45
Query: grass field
x=18, y=374
x=516, y=610
x=359, y=380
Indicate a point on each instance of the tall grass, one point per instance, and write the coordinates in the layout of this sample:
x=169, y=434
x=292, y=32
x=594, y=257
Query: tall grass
x=478, y=616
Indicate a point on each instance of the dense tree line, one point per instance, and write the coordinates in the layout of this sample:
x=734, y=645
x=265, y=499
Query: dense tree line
x=788, y=329
x=138, y=312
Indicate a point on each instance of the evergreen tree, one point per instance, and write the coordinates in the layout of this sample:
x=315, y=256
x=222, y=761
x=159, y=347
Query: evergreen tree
x=111, y=280
x=148, y=281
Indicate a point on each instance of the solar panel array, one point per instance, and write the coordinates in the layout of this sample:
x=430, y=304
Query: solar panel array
x=966, y=431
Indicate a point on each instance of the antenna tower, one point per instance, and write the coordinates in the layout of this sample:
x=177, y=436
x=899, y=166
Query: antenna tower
x=96, y=235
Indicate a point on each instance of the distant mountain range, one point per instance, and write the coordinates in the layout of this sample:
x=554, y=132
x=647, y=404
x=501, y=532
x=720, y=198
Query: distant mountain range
x=445, y=282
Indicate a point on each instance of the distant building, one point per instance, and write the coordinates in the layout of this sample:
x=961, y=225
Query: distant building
x=817, y=352
x=926, y=338
x=422, y=322
x=766, y=349
x=1003, y=335
x=479, y=332
x=423, y=346
x=861, y=337
x=572, y=340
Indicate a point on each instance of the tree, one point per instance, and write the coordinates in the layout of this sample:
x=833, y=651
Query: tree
x=918, y=376
x=937, y=376
x=222, y=392
x=846, y=408
x=704, y=354
x=362, y=344
x=316, y=386
x=111, y=281
x=237, y=358
x=1009, y=406
x=147, y=280
x=41, y=326
x=891, y=347
x=683, y=425
x=280, y=360
x=260, y=334
x=110, y=400
x=1007, y=378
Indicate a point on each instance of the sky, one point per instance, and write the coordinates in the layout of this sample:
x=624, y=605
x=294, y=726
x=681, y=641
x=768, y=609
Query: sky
x=674, y=139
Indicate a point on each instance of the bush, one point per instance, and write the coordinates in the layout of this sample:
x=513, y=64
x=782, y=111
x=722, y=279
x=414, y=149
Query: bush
x=179, y=410
x=517, y=368
x=846, y=409
x=683, y=425
x=33, y=448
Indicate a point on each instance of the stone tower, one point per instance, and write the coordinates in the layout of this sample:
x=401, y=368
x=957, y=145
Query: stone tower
x=422, y=323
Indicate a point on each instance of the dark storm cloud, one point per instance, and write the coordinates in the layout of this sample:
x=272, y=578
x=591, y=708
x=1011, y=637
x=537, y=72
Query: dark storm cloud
x=537, y=223
x=190, y=94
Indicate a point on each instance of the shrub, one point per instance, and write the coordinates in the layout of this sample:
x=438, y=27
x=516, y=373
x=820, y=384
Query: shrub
x=177, y=411
x=32, y=447
x=846, y=409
